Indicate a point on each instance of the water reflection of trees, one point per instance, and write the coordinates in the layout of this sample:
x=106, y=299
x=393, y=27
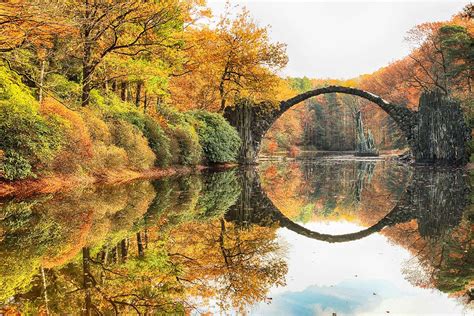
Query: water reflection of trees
x=327, y=189
x=159, y=247
x=348, y=178
x=179, y=244
x=48, y=232
x=440, y=238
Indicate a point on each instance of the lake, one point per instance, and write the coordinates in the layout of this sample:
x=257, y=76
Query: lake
x=321, y=236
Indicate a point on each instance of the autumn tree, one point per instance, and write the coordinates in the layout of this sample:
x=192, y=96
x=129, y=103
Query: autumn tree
x=441, y=58
x=236, y=59
x=34, y=41
x=249, y=58
x=24, y=23
x=127, y=28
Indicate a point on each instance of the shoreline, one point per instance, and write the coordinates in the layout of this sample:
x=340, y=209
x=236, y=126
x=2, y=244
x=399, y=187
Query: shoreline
x=61, y=183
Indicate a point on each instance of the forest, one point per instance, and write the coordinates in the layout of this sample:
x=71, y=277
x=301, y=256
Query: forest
x=94, y=89
x=106, y=90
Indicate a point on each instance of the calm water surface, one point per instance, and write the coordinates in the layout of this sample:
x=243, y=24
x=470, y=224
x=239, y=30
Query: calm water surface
x=320, y=237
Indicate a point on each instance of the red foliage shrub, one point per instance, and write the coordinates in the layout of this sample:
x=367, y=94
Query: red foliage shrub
x=293, y=151
x=272, y=146
x=77, y=147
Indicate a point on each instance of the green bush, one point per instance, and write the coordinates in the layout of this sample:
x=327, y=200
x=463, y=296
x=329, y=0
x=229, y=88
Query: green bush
x=108, y=157
x=130, y=138
x=219, y=140
x=158, y=141
x=34, y=137
x=112, y=107
x=25, y=136
x=98, y=129
x=14, y=166
x=68, y=91
x=97, y=101
x=184, y=141
x=185, y=144
x=133, y=117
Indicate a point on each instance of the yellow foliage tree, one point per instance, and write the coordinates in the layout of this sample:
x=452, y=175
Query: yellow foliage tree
x=236, y=59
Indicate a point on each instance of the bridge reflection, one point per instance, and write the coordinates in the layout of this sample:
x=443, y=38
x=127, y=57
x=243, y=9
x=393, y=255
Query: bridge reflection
x=434, y=197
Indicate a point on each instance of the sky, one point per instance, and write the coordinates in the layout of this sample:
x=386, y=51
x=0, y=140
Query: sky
x=342, y=39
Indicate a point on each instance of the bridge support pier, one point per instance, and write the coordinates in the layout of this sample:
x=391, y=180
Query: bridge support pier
x=440, y=134
x=252, y=122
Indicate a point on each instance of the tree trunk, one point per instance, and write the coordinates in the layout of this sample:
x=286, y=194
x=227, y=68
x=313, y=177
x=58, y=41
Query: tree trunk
x=114, y=254
x=123, y=91
x=146, y=238
x=221, y=93
x=86, y=84
x=86, y=58
x=45, y=291
x=145, y=102
x=103, y=257
x=140, y=245
x=41, y=81
x=124, y=249
x=222, y=89
x=138, y=93
x=129, y=93
x=159, y=100
x=87, y=279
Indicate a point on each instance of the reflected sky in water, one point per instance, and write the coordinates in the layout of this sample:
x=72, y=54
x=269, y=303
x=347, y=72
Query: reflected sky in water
x=354, y=278
x=298, y=238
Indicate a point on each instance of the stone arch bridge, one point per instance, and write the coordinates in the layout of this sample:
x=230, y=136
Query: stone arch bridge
x=436, y=133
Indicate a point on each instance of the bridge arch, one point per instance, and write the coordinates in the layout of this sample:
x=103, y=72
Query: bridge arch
x=396, y=215
x=402, y=116
x=436, y=133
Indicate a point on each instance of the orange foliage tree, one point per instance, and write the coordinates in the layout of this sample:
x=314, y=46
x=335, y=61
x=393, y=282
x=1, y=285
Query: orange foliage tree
x=236, y=59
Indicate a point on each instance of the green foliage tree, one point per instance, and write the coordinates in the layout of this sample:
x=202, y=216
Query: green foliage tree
x=457, y=44
x=300, y=84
